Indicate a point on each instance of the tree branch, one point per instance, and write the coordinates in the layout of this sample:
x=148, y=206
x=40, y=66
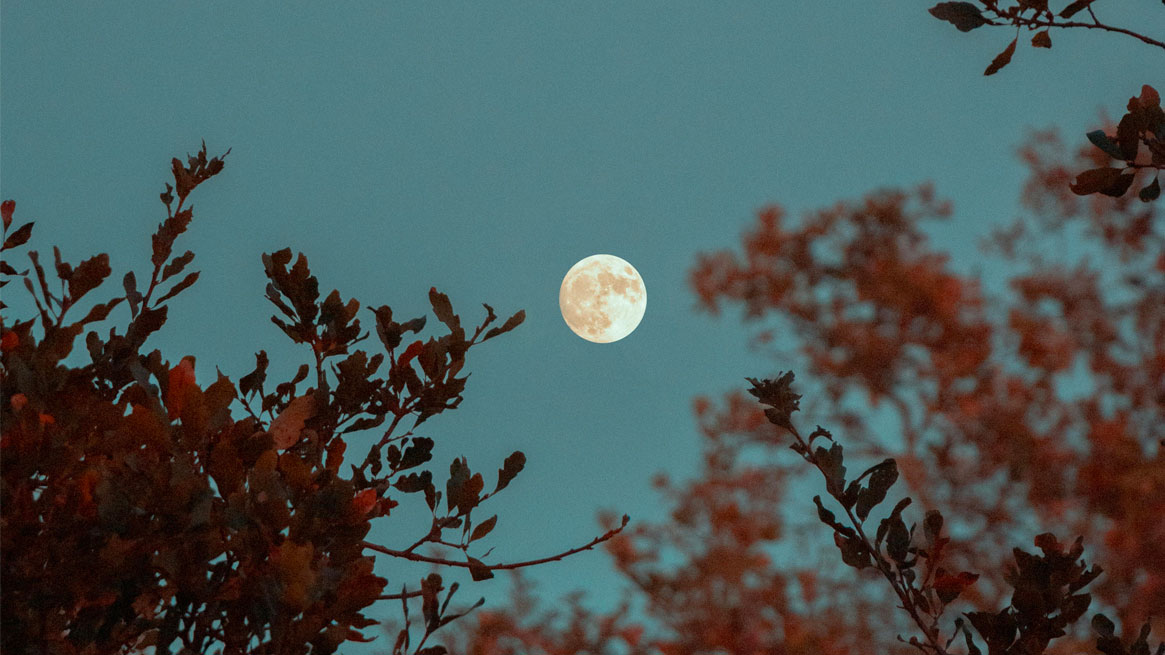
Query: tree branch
x=417, y=557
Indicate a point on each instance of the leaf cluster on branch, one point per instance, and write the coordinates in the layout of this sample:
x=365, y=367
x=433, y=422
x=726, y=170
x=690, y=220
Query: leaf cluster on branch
x=140, y=509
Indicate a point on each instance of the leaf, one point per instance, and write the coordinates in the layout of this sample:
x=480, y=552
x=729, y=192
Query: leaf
x=1074, y=607
x=484, y=528
x=176, y=265
x=1103, y=626
x=419, y=451
x=1002, y=59
x=88, y=275
x=129, y=282
x=932, y=525
x=882, y=477
x=286, y=427
x=853, y=551
x=1128, y=136
x=511, y=323
x=179, y=288
x=443, y=309
x=1042, y=40
x=1151, y=191
x=963, y=15
x=100, y=311
x=455, y=486
x=1096, y=180
x=478, y=570
x=1071, y=9
x=6, y=209
x=831, y=464
x=1101, y=140
x=19, y=237
x=253, y=381
x=948, y=587
x=414, y=482
x=512, y=466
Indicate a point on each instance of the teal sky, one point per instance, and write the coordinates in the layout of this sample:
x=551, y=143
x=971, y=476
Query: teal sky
x=484, y=148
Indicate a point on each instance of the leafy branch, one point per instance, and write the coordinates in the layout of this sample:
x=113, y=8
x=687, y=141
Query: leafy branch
x=1034, y=15
x=1048, y=588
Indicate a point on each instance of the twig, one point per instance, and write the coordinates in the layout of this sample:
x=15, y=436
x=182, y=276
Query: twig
x=416, y=557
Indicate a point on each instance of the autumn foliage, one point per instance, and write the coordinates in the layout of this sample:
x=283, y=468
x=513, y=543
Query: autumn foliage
x=973, y=423
x=144, y=508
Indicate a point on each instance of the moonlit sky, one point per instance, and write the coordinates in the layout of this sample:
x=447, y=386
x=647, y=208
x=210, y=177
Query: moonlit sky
x=484, y=148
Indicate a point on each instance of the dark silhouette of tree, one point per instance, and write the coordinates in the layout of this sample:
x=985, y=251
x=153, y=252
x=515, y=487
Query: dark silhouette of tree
x=1010, y=418
x=141, y=508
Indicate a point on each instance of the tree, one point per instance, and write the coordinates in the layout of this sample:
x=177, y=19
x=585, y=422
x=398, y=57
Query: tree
x=1010, y=417
x=141, y=508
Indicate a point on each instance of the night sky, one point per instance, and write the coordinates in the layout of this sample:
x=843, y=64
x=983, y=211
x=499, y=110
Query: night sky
x=484, y=148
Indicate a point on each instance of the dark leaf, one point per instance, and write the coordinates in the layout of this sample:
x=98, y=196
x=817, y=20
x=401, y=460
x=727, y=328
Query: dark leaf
x=430, y=608
x=253, y=381
x=1002, y=59
x=455, y=487
x=1042, y=40
x=179, y=288
x=443, y=309
x=419, y=451
x=511, y=323
x=1074, y=607
x=100, y=311
x=483, y=528
x=882, y=477
x=963, y=15
x=129, y=282
x=176, y=265
x=777, y=394
x=1101, y=140
x=1103, y=626
x=853, y=551
x=6, y=209
x=1071, y=9
x=1096, y=180
x=478, y=570
x=932, y=525
x=414, y=482
x=88, y=276
x=1128, y=137
x=1151, y=191
x=19, y=237
x=510, y=468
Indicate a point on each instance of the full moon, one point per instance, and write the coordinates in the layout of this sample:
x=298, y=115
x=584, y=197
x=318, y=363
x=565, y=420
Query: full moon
x=602, y=298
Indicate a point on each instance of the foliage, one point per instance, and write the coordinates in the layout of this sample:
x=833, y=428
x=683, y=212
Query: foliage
x=1037, y=16
x=140, y=509
x=1009, y=418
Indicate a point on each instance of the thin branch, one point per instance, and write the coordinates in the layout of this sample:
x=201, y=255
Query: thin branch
x=416, y=557
x=928, y=631
x=1097, y=26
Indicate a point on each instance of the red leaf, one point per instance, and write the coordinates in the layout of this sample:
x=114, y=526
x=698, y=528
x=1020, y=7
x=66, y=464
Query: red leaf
x=181, y=377
x=364, y=501
x=1002, y=59
x=6, y=209
x=948, y=587
x=1042, y=40
x=286, y=427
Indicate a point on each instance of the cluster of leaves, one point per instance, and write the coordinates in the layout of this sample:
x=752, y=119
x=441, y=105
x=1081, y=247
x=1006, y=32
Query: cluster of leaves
x=1033, y=15
x=971, y=382
x=1047, y=597
x=139, y=511
x=1144, y=124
